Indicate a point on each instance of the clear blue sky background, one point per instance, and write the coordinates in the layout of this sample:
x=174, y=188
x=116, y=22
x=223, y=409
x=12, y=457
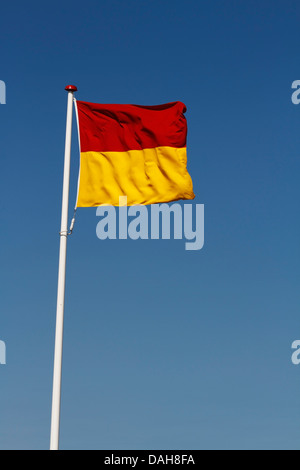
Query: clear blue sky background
x=164, y=348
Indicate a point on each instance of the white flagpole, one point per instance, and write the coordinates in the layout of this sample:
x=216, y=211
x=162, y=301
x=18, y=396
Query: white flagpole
x=56, y=397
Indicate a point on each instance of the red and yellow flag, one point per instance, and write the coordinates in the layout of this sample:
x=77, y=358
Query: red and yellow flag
x=133, y=151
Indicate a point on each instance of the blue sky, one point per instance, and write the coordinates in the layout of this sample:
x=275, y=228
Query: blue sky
x=163, y=348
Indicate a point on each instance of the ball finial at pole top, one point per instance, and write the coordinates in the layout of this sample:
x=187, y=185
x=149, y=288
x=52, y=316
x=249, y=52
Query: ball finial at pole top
x=71, y=88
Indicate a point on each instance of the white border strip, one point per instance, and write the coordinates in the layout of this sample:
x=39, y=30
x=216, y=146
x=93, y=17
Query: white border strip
x=77, y=119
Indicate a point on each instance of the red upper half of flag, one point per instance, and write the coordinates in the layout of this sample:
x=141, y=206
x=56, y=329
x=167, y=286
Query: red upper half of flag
x=121, y=127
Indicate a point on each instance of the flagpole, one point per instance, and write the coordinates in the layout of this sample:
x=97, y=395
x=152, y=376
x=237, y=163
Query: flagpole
x=56, y=397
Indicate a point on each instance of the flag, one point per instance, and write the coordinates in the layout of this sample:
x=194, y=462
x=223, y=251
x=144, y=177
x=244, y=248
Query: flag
x=134, y=151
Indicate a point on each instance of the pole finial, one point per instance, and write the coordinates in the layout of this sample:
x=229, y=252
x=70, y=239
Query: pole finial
x=71, y=88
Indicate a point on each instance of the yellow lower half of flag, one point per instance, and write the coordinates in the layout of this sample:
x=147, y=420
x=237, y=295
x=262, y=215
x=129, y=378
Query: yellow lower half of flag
x=146, y=176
